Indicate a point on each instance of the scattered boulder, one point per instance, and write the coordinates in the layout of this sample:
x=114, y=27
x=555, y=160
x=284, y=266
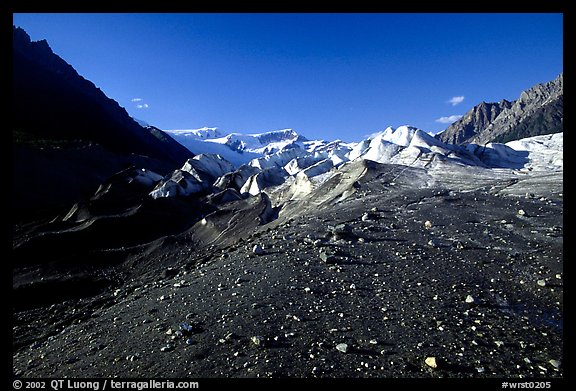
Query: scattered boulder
x=318, y=243
x=555, y=363
x=458, y=245
x=470, y=300
x=369, y=216
x=258, y=341
x=187, y=329
x=342, y=231
x=327, y=257
x=133, y=357
x=541, y=283
x=257, y=249
x=342, y=347
x=431, y=362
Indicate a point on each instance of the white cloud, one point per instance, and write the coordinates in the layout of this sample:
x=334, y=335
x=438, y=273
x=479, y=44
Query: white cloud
x=142, y=106
x=449, y=120
x=456, y=100
x=136, y=99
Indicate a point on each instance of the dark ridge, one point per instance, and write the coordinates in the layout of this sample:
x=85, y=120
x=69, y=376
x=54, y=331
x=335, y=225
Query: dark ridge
x=51, y=102
x=68, y=136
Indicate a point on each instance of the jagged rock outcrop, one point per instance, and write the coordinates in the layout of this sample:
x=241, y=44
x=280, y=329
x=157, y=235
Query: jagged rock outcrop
x=538, y=111
x=541, y=101
x=473, y=122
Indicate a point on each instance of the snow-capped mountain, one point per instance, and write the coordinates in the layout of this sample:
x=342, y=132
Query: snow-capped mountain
x=286, y=163
x=237, y=148
x=253, y=161
x=198, y=134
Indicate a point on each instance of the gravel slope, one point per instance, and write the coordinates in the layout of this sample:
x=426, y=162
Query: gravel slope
x=375, y=283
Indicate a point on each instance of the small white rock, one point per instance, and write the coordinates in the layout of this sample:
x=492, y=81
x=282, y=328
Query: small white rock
x=541, y=282
x=257, y=249
x=342, y=347
x=521, y=212
x=555, y=363
x=431, y=362
x=428, y=224
x=470, y=299
x=257, y=340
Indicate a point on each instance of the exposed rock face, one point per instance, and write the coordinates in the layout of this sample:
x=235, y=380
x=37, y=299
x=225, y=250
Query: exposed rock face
x=473, y=122
x=538, y=111
x=539, y=101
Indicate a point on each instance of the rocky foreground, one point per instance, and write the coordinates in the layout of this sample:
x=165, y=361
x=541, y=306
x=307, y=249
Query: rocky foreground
x=384, y=274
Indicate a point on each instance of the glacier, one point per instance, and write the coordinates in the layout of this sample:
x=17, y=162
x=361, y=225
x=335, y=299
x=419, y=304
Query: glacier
x=285, y=164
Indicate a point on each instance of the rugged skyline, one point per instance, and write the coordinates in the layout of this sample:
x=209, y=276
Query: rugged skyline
x=538, y=110
x=330, y=76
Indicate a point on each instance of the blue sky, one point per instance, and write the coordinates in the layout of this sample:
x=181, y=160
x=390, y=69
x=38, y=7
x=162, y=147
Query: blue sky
x=331, y=76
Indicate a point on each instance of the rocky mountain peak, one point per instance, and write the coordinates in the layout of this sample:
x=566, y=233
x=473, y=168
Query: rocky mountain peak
x=41, y=53
x=473, y=122
x=543, y=93
x=537, y=111
x=20, y=36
